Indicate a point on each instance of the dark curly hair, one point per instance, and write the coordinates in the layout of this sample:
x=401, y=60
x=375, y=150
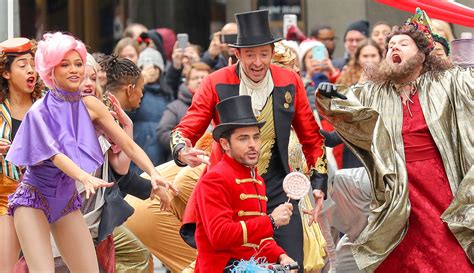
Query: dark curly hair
x=6, y=61
x=432, y=63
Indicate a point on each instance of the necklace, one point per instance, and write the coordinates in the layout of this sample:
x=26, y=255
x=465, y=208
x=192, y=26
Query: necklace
x=66, y=96
x=406, y=91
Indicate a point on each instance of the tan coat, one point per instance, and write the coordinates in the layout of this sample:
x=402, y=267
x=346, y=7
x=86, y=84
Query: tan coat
x=370, y=122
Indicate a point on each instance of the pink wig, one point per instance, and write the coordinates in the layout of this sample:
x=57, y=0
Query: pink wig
x=51, y=51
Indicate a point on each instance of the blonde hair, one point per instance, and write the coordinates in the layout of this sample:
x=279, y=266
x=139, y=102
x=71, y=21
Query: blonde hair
x=442, y=26
x=126, y=42
x=93, y=63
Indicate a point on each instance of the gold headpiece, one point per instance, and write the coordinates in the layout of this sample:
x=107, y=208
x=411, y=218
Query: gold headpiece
x=284, y=55
x=421, y=22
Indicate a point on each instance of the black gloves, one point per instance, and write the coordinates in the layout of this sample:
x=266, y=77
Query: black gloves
x=329, y=90
x=319, y=181
x=332, y=139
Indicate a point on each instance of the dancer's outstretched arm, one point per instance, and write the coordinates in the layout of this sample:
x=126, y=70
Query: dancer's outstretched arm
x=101, y=117
x=67, y=166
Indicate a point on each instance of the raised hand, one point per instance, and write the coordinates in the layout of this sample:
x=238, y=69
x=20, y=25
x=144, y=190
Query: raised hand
x=192, y=157
x=318, y=207
x=148, y=73
x=215, y=46
x=160, y=189
x=177, y=56
x=329, y=90
x=282, y=214
x=328, y=66
x=4, y=145
x=118, y=112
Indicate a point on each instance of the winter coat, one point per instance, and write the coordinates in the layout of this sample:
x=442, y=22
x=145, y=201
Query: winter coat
x=146, y=119
x=173, y=114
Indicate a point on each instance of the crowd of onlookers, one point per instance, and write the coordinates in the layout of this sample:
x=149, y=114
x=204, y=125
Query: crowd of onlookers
x=153, y=77
x=173, y=74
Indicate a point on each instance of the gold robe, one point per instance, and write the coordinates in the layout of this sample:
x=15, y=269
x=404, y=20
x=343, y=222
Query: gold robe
x=370, y=123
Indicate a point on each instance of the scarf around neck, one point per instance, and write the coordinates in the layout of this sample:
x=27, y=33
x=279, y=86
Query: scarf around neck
x=258, y=91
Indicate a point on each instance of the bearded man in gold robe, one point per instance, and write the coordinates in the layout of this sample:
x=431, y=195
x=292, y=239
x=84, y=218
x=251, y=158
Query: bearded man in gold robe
x=411, y=125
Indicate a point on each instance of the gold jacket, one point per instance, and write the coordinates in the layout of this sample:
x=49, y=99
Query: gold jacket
x=370, y=123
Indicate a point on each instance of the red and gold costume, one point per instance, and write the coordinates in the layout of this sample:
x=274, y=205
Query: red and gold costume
x=290, y=107
x=231, y=217
x=286, y=107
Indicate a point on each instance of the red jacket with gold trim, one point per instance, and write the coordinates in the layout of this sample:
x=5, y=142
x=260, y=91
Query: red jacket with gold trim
x=231, y=217
x=291, y=108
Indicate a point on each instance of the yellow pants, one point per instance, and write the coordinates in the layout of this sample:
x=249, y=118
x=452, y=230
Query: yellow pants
x=159, y=230
x=131, y=255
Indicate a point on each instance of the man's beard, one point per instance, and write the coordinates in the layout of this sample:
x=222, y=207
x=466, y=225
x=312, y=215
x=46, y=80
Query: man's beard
x=397, y=73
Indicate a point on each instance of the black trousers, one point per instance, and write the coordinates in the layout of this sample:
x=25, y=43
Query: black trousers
x=290, y=237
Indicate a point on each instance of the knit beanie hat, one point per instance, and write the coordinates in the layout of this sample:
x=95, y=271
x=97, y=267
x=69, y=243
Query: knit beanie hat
x=362, y=26
x=150, y=56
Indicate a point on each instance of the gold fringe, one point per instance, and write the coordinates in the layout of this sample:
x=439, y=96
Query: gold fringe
x=268, y=136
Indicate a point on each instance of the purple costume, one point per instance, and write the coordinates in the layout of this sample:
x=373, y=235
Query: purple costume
x=58, y=123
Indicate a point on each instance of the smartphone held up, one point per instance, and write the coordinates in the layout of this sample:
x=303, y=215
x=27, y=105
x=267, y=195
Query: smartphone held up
x=183, y=40
x=288, y=21
x=319, y=52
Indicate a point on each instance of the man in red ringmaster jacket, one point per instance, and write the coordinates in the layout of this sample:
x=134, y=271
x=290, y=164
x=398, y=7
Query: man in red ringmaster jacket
x=278, y=97
x=232, y=223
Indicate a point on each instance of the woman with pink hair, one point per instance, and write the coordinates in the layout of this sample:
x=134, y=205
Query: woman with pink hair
x=57, y=144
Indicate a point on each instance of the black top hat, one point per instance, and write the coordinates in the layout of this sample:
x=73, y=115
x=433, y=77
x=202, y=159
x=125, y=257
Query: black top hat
x=253, y=29
x=235, y=112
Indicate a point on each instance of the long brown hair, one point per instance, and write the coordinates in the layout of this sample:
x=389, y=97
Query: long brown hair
x=354, y=69
x=6, y=61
